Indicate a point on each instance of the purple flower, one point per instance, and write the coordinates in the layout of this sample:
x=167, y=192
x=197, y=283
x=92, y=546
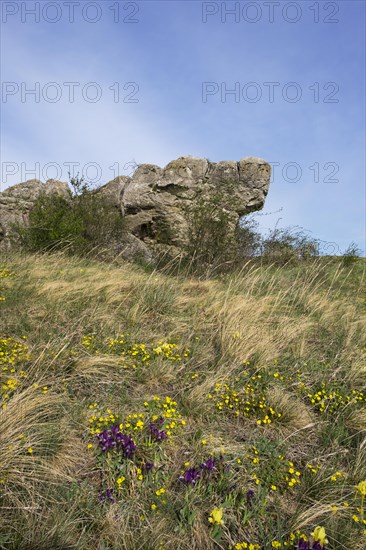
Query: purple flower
x=155, y=431
x=115, y=439
x=302, y=545
x=106, y=440
x=128, y=445
x=250, y=497
x=148, y=466
x=209, y=465
x=305, y=545
x=192, y=475
x=107, y=496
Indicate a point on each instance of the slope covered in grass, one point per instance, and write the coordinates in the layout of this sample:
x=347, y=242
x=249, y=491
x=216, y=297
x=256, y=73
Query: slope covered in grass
x=144, y=410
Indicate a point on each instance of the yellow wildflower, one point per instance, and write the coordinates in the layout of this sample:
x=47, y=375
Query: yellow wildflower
x=319, y=535
x=216, y=516
x=361, y=488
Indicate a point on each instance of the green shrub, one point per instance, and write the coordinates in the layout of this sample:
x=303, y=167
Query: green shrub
x=79, y=224
x=351, y=254
x=288, y=245
x=219, y=241
x=212, y=241
x=249, y=240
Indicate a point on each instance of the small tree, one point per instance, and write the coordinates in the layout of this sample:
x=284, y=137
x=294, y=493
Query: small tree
x=214, y=235
x=78, y=185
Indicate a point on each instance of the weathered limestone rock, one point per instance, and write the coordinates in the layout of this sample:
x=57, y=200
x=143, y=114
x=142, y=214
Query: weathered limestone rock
x=17, y=201
x=154, y=200
x=112, y=192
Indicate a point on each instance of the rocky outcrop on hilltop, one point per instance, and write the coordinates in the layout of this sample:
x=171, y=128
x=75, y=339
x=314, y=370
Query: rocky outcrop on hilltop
x=154, y=200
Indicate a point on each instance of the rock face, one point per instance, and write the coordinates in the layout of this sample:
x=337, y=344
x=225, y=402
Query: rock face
x=154, y=200
x=16, y=202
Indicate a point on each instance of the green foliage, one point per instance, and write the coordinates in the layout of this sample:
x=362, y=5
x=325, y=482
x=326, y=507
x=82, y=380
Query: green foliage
x=288, y=245
x=212, y=241
x=351, y=254
x=248, y=237
x=79, y=223
x=78, y=185
x=219, y=241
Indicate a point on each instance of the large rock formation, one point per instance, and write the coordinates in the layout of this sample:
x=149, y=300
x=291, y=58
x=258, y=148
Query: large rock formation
x=154, y=200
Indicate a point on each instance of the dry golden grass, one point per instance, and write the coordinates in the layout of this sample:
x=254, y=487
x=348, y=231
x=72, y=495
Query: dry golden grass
x=27, y=423
x=302, y=316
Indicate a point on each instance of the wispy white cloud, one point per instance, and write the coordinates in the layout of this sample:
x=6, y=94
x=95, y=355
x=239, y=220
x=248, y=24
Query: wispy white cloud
x=169, y=54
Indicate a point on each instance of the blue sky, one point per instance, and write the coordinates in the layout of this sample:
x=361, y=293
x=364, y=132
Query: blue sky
x=174, y=53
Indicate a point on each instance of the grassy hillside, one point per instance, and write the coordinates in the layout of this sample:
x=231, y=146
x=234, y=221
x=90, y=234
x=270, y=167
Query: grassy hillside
x=145, y=411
